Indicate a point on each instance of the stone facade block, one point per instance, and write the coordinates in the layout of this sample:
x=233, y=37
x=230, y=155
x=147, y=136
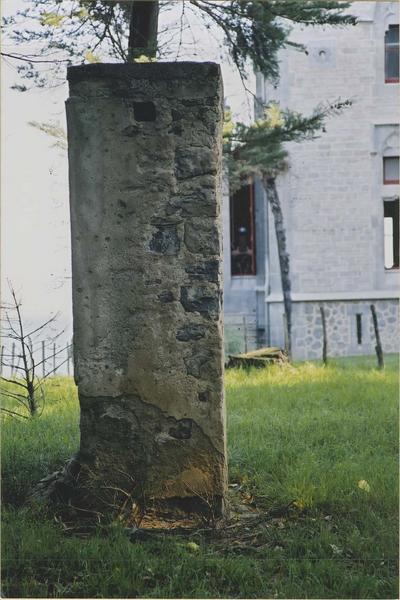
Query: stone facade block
x=332, y=193
x=341, y=323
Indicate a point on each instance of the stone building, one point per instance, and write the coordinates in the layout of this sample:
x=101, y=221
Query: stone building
x=340, y=199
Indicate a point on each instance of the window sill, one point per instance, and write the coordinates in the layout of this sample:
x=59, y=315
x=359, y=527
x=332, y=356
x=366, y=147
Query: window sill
x=392, y=80
x=392, y=270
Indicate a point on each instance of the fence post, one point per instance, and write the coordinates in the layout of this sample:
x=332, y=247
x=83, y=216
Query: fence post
x=378, y=347
x=1, y=360
x=54, y=359
x=70, y=357
x=43, y=358
x=12, y=358
x=324, y=337
x=245, y=334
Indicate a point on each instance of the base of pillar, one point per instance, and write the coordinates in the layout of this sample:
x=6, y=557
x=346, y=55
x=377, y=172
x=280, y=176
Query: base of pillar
x=78, y=494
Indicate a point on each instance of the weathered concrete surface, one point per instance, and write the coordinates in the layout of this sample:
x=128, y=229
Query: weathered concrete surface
x=145, y=159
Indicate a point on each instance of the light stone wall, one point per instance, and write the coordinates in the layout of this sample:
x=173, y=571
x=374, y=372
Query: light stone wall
x=342, y=328
x=333, y=192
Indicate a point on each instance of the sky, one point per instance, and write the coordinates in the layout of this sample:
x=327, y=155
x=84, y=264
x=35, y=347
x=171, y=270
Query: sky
x=35, y=235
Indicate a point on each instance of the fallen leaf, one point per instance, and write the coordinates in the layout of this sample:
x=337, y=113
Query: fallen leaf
x=91, y=58
x=336, y=550
x=364, y=485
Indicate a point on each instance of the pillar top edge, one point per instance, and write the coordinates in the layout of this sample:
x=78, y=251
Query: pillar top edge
x=152, y=71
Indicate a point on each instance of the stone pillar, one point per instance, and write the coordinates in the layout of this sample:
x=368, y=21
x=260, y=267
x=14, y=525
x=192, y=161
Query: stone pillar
x=145, y=161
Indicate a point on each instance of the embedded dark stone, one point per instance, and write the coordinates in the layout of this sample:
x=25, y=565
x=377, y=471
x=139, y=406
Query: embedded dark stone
x=183, y=429
x=176, y=115
x=165, y=240
x=166, y=297
x=131, y=130
x=195, y=365
x=199, y=161
x=200, y=238
x=204, y=396
x=190, y=332
x=144, y=111
x=200, y=204
x=200, y=300
x=171, y=209
x=190, y=103
x=207, y=271
x=177, y=129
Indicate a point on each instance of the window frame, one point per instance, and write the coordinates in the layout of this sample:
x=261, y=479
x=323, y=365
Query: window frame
x=395, y=231
x=389, y=181
x=249, y=184
x=391, y=47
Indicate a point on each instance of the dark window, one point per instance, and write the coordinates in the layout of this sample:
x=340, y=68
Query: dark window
x=391, y=169
x=392, y=54
x=243, y=258
x=391, y=233
x=359, y=328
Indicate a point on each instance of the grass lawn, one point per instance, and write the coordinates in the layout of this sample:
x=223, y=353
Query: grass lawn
x=301, y=435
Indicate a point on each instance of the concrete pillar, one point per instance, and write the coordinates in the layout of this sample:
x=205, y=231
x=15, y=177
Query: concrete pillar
x=145, y=160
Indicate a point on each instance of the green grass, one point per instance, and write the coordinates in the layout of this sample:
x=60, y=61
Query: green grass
x=300, y=433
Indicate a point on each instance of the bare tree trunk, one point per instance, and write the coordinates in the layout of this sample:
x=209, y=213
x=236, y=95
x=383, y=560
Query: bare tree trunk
x=274, y=202
x=324, y=337
x=143, y=28
x=378, y=347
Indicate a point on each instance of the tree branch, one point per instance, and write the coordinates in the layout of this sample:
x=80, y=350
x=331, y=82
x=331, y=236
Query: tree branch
x=11, y=412
x=33, y=60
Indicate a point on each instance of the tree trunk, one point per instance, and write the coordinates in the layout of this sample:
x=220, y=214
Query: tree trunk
x=274, y=202
x=143, y=28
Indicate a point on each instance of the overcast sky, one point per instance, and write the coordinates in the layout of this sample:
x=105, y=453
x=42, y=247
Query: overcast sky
x=35, y=212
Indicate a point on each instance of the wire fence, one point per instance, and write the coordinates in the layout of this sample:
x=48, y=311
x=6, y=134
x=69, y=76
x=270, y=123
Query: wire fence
x=240, y=334
x=52, y=359
x=49, y=359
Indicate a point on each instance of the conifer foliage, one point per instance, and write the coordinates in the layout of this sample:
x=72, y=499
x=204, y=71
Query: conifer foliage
x=52, y=34
x=58, y=33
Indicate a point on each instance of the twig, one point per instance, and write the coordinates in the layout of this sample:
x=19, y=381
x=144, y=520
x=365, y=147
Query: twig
x=11, y=412
x=32, y=60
